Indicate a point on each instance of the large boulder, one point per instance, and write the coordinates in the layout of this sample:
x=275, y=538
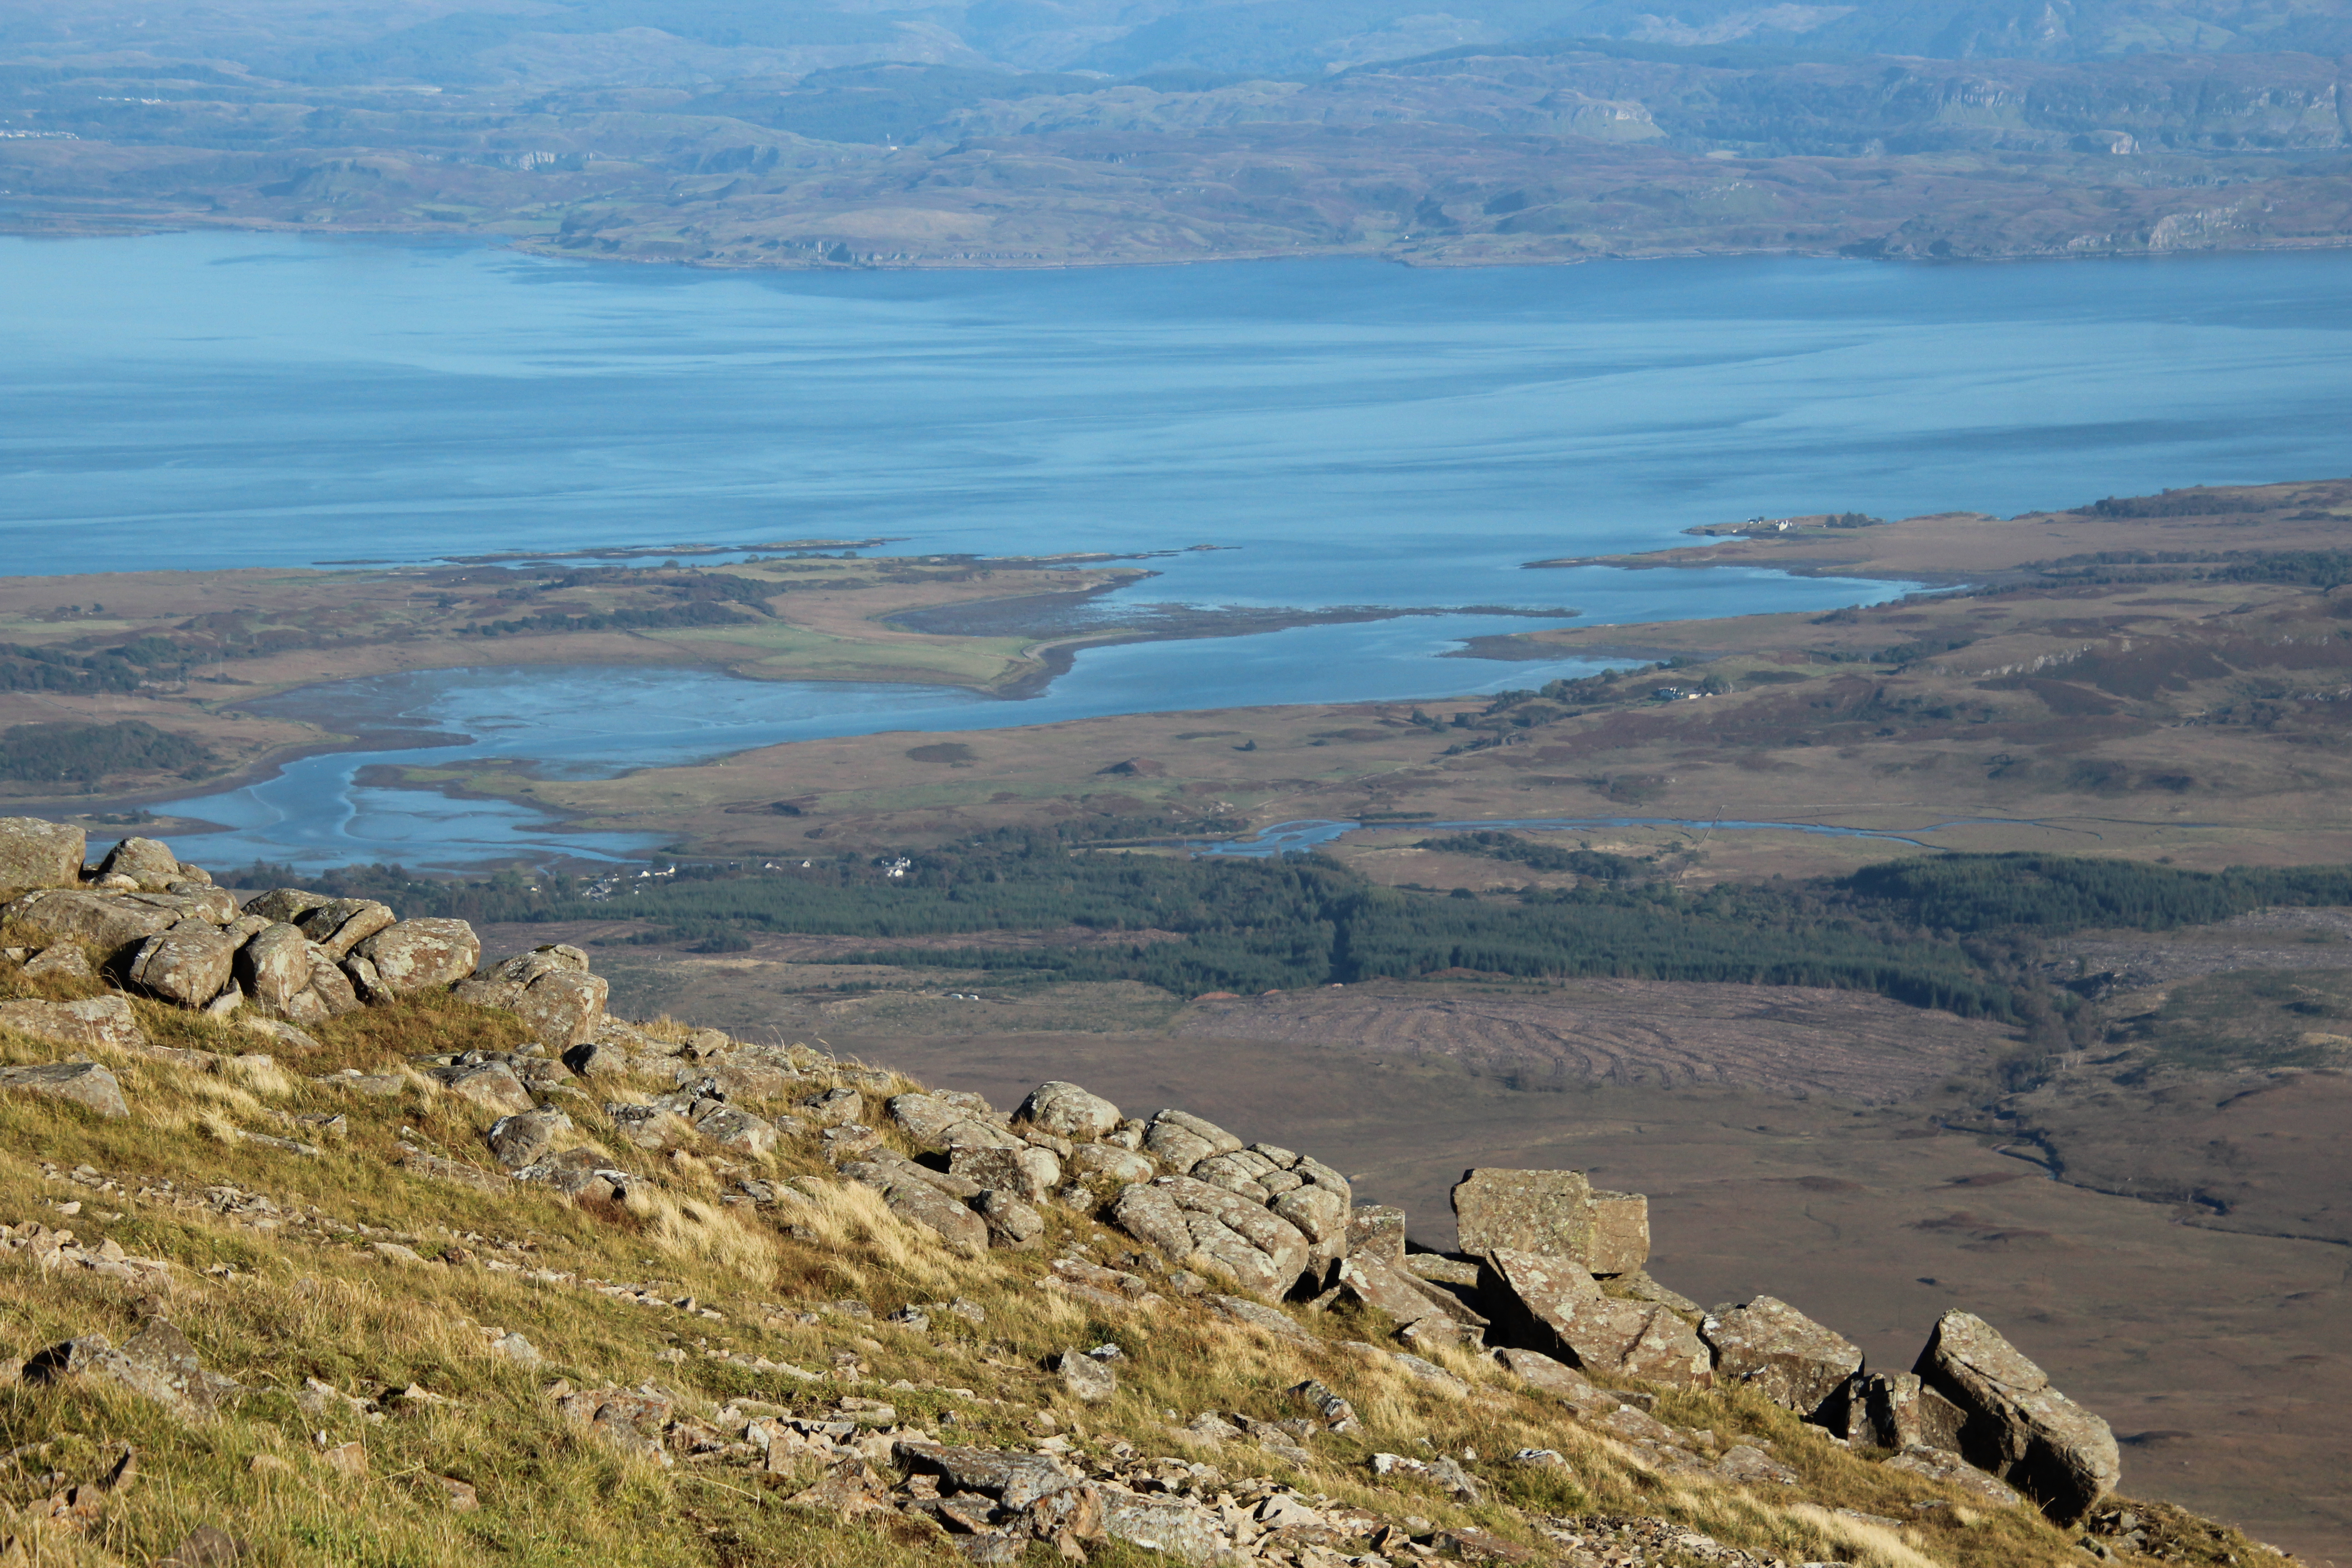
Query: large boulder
x=921, y=1202
x=274, y=965
x=527, y=1137
x=1067, y=1111
x=1026, y=1173
x=94, y=1021
x=1183, y=1141
x=285, y=905
x=2016, y=1425
x=342, y=924
x=1554, y=1305
x=188, y=964
x=1620, y=1233
x=38, y=854
x=1376, y=1230
x=1769, y=1346
x=416, y=955
x=148, y=863
x=1548, y=1213
x=1208, y=1228
x=551, y=990
x=1367, y=1278
x=937, y=1121
x=490, y=1085
x=84, y=1083
x=111, y=923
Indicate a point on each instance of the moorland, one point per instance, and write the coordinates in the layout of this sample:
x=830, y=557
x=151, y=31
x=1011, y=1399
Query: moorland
x=2078, y=1045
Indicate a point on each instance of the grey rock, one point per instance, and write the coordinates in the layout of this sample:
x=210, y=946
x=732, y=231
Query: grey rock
x=1620, y=1234
x=1365, y=1279
x=157, y=1361
x=2017, y=1427
x=1948, y=1468
x=187, y=965
x=84, y=1083
x=417, y=955
x=1173, y=1526
x=921, y=1204
x=284, y=906
x=1545, y=1213
x=491, y=1085
x=112, y=923
x=1181, y=1141
x=1026, y=1173
x=1110, y=1162
x=1558, y=1309
x=93, y=1021
x=1084, y=1378
x=274, y=966
x=1199, y=1227
x=1259, y=1316
x=1067, y=1111
x=836, y=1106
x=1376, y=1230
x=1769, y=1346
x=146, y=861
x=38, y=853
x=730, y=1127
x=1014, y=1478
x=576, y=1174
x=939, y=1122
x=1895, y=1410
x=550, y=989
x=527, y=1137
x=341, y=925
x=59, y=963
x=1012, y=1224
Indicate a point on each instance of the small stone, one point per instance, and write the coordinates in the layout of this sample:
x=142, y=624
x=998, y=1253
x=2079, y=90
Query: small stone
x=1085, y=1378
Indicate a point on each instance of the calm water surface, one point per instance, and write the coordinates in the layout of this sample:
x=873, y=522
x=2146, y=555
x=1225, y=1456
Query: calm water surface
x=1364, y=434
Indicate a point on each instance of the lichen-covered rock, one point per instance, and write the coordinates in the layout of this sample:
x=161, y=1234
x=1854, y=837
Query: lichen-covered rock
x=731, y=1126
x=417, y=955
x=491, y=1085
x=1012, y=1224
x=921, y=1202
x=1545, y=1213
x=1769, y=1346
x=1028, y=1173
x=38, y=853
x=274, y=966
x=1559, y=1309
x=1111, y=1162
x=1183, y=1141
x=2019, y=1428
x=1067, y=1111
x=285, y=906
x=937, y=1121
x=1207, y=1229
x=84, y=1083
x=1085, y=1379
x=62, y=962
x=527, y=1137
x=94, y=1021
x=1376, y=1230
x=157, y=1361
x=329, y=995
x=1948, y=1468
x=147, y=862
x=1620, y=1240
x=188, y=964
x=111, y=923
x=550, y=989
x=1366, y=1278
x=340, y=925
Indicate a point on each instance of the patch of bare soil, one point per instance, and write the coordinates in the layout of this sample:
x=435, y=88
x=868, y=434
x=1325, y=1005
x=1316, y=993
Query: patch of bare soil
x=1786, y=1039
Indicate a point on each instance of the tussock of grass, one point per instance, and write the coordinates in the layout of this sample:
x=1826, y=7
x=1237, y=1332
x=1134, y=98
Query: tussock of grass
x=275, y=1298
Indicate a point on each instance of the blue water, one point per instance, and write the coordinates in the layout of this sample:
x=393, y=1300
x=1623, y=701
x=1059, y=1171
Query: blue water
x=1363, y=433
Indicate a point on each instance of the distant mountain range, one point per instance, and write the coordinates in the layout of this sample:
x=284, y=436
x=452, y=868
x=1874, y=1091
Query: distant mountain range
x=1022, y=131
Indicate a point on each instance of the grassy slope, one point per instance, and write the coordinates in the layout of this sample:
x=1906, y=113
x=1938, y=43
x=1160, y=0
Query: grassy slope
x=299, y=1295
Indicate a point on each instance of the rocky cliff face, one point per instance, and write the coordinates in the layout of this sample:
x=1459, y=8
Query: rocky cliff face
x=328, y=1232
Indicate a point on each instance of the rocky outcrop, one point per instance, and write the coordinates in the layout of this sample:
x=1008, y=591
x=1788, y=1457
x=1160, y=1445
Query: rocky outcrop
x=1769, y=1346
x=38, y=854
x=1553, y=1213
x=1556, y=1306
x=157, y=1361
x=1216, y=1231
x=1895, y=1410
x=550, y=989
x=2015, y=1425
x=189, y=965
x=410, y=956
x=1067, y=1111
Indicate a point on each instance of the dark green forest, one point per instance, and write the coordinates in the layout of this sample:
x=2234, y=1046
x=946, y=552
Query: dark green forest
x=84, y=753
x=1958, y=932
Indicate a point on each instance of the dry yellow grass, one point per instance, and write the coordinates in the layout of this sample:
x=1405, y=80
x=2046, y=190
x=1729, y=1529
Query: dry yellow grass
x=299, y=1292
